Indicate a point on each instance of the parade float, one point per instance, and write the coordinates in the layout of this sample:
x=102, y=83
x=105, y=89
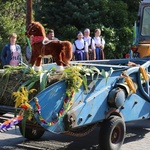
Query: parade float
x=83, y=94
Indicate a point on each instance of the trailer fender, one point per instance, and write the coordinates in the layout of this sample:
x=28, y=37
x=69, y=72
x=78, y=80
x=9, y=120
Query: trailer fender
x=113, y=112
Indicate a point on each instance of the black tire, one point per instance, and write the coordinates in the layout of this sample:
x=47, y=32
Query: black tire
x=31, y=133
x=112, y=133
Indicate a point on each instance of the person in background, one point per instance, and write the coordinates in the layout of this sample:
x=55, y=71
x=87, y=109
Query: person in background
x=91, y=44
x=28, y=53
x=11, y=52
x=51, y=36
x=80, y=48
x=99, y=44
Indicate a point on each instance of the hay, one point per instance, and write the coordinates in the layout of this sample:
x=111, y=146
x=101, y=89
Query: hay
x=12, y=81
x=9, y=84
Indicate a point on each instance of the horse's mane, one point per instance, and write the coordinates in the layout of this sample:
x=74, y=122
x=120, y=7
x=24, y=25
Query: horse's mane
x=41, y=27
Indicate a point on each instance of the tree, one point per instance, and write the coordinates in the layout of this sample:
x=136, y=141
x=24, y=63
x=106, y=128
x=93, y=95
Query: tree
x=62, y=14
x=12, y=19
x=114, y=17
x=133, y=7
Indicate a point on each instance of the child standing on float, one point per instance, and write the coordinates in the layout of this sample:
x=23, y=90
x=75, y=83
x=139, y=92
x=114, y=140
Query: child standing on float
x=99, y=44
x=91, y=44
x=80, y=48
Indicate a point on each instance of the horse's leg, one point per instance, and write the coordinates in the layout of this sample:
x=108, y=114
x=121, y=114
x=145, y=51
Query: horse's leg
x=38, y=61
x=67, y=53
x=34, y=56
x=65, y=60
x=58, y=60
x=35, y=60
x=38, y=66
x=32, y=60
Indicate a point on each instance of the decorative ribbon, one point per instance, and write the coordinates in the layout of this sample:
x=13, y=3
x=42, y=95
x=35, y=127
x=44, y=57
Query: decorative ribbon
x=66, y=106
x=11, y=122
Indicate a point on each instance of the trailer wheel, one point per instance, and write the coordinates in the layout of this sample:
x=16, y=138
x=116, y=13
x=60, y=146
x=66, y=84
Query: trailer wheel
x=112, y=133
x=31, y=133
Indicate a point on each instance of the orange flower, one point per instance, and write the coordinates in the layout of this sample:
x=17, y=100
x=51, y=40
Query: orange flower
x=24, y=106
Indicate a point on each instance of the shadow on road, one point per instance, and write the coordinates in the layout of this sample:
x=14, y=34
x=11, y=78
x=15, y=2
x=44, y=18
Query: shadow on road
x=89, y=142
x=135, y=131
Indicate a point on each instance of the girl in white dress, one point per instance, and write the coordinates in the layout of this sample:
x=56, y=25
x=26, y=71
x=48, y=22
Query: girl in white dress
x=80, y=48
x=91, y=44
x=99, y=44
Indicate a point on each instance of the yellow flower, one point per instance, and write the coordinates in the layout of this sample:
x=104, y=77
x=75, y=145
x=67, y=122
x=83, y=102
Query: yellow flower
x=21, y=97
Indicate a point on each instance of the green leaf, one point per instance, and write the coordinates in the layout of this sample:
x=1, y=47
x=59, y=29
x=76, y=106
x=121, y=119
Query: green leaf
x=88, y=74
x=106, y=74
x=103, y=73
x=43, y=81
x=96, y=70
x=85, y=82
x=110, y=71
x=29, y=86
x=26, y=83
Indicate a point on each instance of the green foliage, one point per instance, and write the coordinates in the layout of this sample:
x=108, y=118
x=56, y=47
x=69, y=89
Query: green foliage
x=43, y=80
x=12, y=19
x=107, y=74
x=67, y=32
x=114, y=17
x=111, y=39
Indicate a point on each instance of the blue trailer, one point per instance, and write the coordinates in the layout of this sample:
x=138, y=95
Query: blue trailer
x=109, y=104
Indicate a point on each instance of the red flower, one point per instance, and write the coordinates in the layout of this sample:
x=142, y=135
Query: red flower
x=24, y=106
x=38, y=106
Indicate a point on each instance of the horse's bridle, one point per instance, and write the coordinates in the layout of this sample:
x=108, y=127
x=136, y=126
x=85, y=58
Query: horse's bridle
x=30, y=27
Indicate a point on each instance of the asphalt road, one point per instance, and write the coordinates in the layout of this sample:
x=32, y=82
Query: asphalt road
x=137, y=138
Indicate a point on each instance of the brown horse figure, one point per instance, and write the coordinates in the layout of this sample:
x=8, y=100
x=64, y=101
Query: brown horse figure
x=61, y=51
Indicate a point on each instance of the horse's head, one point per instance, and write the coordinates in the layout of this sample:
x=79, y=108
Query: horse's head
x=35, y=29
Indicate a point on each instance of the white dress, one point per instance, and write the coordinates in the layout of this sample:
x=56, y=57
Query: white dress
x=79, y=48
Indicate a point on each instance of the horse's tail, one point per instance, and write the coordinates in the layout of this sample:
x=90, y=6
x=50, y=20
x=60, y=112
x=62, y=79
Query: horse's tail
x=67, y=55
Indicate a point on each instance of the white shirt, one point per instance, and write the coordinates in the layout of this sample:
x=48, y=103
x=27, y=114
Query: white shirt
x=99, y=40
x=88, y=40
x=80, y=45
x=14, y=56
